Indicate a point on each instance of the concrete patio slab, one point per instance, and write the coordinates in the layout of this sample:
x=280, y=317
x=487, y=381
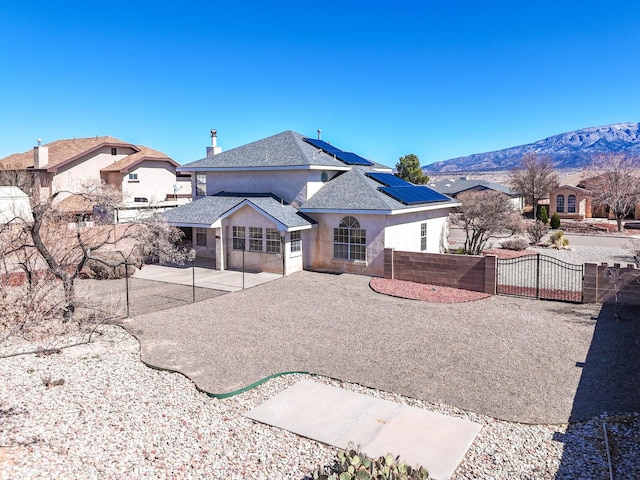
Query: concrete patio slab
x=377, y=427
x=205, y=276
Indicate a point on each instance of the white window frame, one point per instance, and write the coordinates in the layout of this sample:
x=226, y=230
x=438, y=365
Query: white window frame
x=239, y=239
x=133, y=177
x=350, y=241
x=273, y=241
x=560, y=205
x=423, y=237
x=296, y=243
x=256, y=239
x=201, y=237
x=201, y=185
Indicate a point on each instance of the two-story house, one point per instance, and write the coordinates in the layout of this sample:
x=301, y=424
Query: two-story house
x=65, y=167
x=289, y=202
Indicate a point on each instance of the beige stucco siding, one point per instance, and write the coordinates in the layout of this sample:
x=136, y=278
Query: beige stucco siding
x=75, y=176
x=155, y=181
x=293, y=186
x=403, y=232
x=253, y=261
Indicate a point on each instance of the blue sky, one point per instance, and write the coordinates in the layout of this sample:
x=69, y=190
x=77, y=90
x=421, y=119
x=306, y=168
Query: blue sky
x=382, y=79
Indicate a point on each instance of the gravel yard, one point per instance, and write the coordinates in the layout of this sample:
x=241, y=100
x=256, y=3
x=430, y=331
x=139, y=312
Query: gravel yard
x=115, y=418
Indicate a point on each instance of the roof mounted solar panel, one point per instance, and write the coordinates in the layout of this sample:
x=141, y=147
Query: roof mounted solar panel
x=345, y=157
x=388, y=179
x=414, y=194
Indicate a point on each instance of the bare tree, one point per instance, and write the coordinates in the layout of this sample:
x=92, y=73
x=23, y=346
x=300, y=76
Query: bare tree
x=615, y=182
x=534, y=178
x=22, y=179
x=483, y=215
x=54, y=245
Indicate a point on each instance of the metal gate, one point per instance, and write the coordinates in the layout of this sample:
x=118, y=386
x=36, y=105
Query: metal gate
x=540, y=276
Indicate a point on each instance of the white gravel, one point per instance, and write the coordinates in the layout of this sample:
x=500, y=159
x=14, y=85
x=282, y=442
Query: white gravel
x=579, y=254
x=115, y=418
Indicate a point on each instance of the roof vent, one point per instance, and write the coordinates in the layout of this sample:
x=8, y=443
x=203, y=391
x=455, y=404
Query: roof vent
x=214, y=149
x=319, y=134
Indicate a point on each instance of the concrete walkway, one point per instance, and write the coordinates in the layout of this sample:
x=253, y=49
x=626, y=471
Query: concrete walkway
x=516, y=359
x=205, y=276
x=376, y=427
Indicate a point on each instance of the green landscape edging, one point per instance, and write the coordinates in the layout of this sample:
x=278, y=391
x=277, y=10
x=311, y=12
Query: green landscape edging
x=251, y=386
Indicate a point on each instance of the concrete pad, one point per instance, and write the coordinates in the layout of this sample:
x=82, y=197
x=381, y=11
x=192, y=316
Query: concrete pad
x=205, y=277
x=342, y=418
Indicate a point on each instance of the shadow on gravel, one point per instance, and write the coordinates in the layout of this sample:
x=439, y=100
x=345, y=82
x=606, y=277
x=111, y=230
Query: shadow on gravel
x=145, y=296
x=609, y=384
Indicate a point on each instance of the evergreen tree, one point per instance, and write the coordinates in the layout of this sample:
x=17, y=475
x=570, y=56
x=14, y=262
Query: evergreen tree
x=408, y=168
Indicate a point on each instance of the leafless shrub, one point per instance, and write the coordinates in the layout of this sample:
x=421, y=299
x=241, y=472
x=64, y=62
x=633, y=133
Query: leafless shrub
x=484, y=215
x=537, y=230
x=515, y=244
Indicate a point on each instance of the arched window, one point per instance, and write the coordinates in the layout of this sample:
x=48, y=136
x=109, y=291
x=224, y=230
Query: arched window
x=560, y=204
x=571, y=204
x=349, y=240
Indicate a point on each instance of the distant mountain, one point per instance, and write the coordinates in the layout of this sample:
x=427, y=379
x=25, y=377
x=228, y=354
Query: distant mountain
x=567, y=150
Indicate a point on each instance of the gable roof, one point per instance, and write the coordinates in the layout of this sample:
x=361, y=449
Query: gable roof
x=454, y=187
x=128, y=163
x=62, y=151
x=281, y=151
x=355, y=191
x=572, y=187
x=207, y=211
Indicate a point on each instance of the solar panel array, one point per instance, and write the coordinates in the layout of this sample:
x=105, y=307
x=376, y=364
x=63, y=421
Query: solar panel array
x=346, y=157
x=388, y=179
x=414, y=194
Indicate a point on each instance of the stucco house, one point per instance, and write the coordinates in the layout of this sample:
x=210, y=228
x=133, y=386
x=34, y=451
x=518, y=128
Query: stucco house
x=141, y=174
x=14, y=205
x=288, y=202
x=575, y=202
x=571, y=202
x=455, y=186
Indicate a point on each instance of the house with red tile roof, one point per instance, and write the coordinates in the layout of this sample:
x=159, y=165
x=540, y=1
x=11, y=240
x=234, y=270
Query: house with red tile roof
x=64, y=167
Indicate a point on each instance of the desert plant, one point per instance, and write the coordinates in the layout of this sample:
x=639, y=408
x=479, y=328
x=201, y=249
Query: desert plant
x=555, y=221
x=515, y=244
x=353, y=465
x=543, y=216
x=536, y=231
x=558, y=240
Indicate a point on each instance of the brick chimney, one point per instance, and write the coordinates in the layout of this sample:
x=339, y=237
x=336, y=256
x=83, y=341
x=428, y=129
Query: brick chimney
x=214, y=149
x=40, y=155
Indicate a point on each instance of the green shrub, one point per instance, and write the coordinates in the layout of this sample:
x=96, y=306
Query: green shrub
x=536, y=231
x=353, y=465
x=543, y=216
x=515, y=244
x=555, y=221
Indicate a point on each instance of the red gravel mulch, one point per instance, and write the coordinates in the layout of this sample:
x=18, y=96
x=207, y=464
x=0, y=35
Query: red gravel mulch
x=424, y=292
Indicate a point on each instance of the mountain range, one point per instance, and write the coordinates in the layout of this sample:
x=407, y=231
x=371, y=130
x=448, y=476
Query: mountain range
x=568, y=150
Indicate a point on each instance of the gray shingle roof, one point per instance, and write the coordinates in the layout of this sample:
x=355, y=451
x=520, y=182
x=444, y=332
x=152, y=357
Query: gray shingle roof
x=286, y=149
x=454, y=187
x=207, y=210
x=353, y=190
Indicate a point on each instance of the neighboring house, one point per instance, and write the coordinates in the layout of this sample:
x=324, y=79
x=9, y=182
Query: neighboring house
x=570, y=202
x=286, y=203
x=455, y=186
x=575, y=202
x=144, y=176
x=14, y=205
